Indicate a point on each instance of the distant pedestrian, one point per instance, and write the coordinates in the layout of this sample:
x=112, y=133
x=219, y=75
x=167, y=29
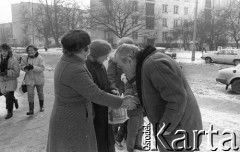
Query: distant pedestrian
x=33, y=65
x=9, y=72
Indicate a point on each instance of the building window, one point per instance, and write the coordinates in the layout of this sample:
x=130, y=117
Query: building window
x=176, y=9
x=135, y=35
x=175, y=23
x=185, y=10
x=164, y=36
x=165, y=8
x=134, y=20
x=135, y=6
x=150, y=9
x=150, y=23
x=164, y=23
x=175, y=35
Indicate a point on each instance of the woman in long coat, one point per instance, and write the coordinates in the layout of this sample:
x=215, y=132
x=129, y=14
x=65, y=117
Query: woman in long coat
x=71, y=124
x=99, y=51
x=9, y=72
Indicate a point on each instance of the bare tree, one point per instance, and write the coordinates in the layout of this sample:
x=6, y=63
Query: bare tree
x=55, y=18
x=121, y=17
x=233, y=18
x=74, y=16
x=183, y=32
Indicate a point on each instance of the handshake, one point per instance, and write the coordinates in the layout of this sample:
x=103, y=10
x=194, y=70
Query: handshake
x=28, y=67
x=130, y=102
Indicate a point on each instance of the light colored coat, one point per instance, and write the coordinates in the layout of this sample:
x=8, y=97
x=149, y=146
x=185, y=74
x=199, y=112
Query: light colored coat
x=71, y=126
x=36, y=75
x=9, y=81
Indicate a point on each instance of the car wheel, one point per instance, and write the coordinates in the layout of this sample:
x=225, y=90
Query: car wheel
x=236, y=86
x=236, y=62
x=208, y=60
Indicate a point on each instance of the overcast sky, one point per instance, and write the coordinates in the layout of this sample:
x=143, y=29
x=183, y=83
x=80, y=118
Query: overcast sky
x=5, y=8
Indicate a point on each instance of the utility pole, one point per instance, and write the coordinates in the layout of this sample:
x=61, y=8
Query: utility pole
x=195, y=31
x=213, y=27
x=32, y=25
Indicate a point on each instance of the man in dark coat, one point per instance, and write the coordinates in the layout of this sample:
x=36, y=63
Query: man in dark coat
x=165, y=95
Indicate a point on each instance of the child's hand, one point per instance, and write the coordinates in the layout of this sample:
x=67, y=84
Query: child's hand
x=124, y=78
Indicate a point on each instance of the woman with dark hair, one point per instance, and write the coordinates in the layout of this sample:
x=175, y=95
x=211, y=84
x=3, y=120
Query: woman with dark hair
x=71, y=124
x=9, y=71
x=33, y=65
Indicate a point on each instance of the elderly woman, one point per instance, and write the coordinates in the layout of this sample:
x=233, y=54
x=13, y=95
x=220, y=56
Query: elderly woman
x=99, y=51
x=9, y=71
x=33, y=65
x=71, y=124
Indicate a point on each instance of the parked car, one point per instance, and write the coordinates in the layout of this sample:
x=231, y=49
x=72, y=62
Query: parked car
x=229, y=56
x=230, y=76
x=167, y=52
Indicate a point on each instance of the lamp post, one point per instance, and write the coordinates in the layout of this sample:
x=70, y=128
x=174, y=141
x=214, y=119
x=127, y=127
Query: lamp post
x=32, y=25
x=195, y=31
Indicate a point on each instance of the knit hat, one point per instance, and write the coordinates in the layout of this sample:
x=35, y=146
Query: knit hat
x=99, y=48
x=125, y=40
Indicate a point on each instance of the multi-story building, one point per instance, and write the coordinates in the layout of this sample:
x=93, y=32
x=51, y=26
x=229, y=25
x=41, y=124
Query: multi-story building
x=23, y=29
x=6, y=34
x=161, y=17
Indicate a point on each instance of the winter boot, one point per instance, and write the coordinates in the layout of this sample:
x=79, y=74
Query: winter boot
x=41, y=102
x=16, y=103
x=31, y=108
x=9, y=114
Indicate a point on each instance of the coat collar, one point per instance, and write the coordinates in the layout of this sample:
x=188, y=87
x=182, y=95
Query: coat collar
x=72, y=59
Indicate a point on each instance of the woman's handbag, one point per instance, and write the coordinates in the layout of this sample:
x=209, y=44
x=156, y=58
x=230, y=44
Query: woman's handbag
x=23, y=88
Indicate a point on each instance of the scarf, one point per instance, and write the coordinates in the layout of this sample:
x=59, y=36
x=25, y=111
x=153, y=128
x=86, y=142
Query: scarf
x=141, y=56
x=4, y=64
x=36, y=55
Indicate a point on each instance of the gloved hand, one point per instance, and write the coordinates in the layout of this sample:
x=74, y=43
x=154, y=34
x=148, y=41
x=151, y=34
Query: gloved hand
x=28, y=67
x=3, y=73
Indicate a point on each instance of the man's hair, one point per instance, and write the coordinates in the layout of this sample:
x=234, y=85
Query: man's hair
x=126, y=50
x=75, y=40
x=125, y=40
x=7, y=48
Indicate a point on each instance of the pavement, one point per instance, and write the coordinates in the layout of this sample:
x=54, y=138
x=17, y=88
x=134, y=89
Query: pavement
x=23, y=133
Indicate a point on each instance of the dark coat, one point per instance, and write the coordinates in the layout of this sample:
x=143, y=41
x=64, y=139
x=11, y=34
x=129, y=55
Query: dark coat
x=71, y=124
x=167, y=97
x=103, y=130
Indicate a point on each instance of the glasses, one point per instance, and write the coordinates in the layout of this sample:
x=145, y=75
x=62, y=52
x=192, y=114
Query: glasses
x=86, y=48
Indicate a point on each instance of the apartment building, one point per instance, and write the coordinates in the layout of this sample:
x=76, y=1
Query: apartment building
x=6, y=34
x=24, y=32
x=161, y=17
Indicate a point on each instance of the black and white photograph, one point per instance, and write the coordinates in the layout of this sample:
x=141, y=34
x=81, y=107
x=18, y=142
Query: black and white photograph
x=119, y=75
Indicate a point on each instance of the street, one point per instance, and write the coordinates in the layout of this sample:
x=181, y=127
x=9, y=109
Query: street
x=219, y=107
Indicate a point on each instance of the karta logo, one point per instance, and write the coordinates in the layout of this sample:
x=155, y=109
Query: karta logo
x=184, y=139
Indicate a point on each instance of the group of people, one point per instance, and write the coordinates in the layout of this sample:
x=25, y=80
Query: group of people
x=152, y=83
x=33, y=66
